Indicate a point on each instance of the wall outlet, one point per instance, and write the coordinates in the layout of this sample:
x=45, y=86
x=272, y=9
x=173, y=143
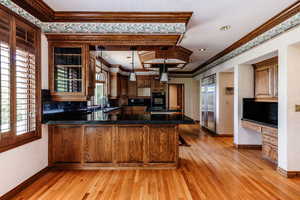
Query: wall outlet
x=297, y=108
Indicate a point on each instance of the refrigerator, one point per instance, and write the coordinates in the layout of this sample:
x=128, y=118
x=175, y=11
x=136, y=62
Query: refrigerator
x=208, y=103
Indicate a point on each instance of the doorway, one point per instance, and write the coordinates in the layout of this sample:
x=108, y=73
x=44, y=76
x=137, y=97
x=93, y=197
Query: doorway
x=176, y=97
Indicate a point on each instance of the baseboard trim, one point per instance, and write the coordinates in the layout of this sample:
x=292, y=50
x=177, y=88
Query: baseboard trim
x=288, y=174
x=24, y=184
x=248, y=146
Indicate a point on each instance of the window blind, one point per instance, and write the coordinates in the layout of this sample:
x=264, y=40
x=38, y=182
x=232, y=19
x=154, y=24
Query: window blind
x=25, y=90
x=5, y=73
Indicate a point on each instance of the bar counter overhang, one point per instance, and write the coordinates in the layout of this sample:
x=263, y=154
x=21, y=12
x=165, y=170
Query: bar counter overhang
x=99, y=140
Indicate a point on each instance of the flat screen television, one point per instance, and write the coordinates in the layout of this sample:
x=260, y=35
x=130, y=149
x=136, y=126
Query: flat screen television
x=265, y=112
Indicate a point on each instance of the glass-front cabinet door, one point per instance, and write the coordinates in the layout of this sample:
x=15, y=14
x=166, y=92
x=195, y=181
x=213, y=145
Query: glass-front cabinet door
x=68, y=68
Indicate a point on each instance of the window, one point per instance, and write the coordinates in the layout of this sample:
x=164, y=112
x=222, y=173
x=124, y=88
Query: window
x=19, y=81
x=99, y=93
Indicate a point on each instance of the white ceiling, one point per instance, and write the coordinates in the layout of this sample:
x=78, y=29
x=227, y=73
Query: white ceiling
x=123, y=58
x=203, y=30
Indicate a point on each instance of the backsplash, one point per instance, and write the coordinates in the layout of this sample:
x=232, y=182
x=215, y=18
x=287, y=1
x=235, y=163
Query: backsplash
x=59, y=107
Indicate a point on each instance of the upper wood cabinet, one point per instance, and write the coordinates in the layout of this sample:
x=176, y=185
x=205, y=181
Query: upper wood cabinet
x=69, y=72
x=266, y=80
x=144, y=82
x=157, y=86
x=115, y=85
x=132, y=88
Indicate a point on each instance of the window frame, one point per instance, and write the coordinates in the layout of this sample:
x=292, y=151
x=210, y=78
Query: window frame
x=10, y=140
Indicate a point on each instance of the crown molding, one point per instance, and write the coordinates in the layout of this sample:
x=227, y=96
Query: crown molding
x=121, y=17
x=40, y=10
x=37, y=8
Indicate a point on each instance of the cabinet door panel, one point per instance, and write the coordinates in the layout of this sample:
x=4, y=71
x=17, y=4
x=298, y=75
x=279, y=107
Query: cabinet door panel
x=98, y=144
x=162, y=144
x=263, y=82
x=132, y=88
x=130, y=144
x=67, y=144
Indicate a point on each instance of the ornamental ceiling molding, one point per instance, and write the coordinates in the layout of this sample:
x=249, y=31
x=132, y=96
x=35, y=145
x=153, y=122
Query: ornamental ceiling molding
x=103, y=28
x=268, y=35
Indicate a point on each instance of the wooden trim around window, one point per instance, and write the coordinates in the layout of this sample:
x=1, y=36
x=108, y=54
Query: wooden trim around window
x=18, y=140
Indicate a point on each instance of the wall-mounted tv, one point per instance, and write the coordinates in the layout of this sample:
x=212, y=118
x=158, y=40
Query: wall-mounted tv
x=265, y=112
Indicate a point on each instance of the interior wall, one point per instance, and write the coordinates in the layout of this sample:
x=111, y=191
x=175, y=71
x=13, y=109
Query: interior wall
x=243, y=88
x=224, y=103
x=18, y=164
x=191, y=96
x=288, y=119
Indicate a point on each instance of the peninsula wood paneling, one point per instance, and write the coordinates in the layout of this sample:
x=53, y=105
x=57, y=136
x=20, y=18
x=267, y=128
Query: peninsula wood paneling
x=66, y=144
x=129, y=142
x=98, y=144
x=161, y=144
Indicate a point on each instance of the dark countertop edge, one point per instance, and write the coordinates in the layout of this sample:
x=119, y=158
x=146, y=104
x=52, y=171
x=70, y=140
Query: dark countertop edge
x=261, y=123
x=116, y=122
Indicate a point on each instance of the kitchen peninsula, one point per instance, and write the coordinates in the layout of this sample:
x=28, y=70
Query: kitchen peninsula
x=103, y=140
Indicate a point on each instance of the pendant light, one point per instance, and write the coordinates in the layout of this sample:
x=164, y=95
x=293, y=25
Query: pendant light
x=132, y=76
x=100, y=76
x=164, y=75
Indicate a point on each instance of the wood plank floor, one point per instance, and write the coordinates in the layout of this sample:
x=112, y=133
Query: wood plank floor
x=211, y=169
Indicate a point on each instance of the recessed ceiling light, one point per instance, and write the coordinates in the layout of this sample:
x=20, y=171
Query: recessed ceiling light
x=202, y=49
x=225, y=28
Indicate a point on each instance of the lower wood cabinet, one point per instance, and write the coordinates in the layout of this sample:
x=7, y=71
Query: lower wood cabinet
x=161, y=144
x=269, y=140
x=98, y=144
x=113, y=146
x=65, y=144
x=130, y=144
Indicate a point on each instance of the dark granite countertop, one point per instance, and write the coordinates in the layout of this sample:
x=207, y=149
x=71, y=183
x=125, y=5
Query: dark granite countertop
x=261, y=123
x=100, y=117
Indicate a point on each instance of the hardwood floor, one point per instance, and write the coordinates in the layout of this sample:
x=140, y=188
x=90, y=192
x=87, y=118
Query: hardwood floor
x=211, y=169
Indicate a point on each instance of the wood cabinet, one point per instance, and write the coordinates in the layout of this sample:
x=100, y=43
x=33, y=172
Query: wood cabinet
x=161, y=144
x=266, y=80
x=130, y=144
x=134, y=110
x=144, y=82
x=157, y=86
x=269, y=139
x=98, y=144
x=114, y=146
x=270, y=144
x=69, y=72
x=65, y=144
x=124, y=86
x=132, y=89
x=115, y=85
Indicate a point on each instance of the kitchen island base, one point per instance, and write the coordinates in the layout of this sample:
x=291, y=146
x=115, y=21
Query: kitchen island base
x=134, y=146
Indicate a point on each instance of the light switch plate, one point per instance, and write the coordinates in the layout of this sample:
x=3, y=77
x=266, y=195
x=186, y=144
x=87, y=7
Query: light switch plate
x=297, y=108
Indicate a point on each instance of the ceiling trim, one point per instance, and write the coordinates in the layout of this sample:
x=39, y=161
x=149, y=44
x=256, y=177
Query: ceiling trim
x=45, y=13
x=95, y=27
x=37, y=8
x=267, y=26
x=121, y=17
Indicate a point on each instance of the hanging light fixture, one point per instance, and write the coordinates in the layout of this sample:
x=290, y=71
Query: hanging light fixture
x=164, y=75
x=132, y=75
x=100, y=76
